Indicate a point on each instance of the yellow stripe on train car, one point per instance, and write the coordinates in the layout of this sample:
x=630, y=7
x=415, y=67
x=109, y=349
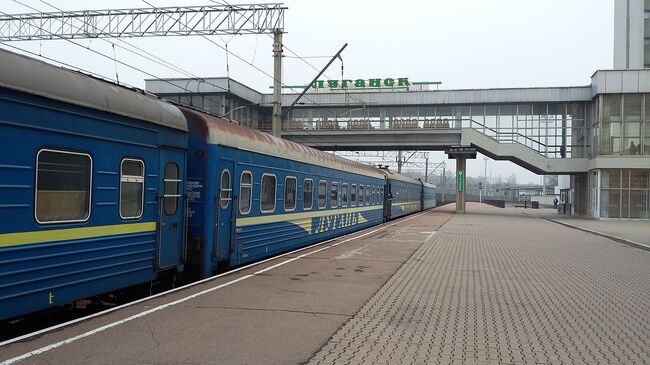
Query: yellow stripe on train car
x=54, y=235
x=291, y=217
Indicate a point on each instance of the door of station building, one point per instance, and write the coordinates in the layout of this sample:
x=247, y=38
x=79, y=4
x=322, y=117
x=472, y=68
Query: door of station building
x=171, y=209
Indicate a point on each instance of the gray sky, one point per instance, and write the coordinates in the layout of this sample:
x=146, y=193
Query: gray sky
x=463, y=43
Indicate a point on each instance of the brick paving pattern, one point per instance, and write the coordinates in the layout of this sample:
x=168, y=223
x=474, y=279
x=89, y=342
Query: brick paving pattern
x=490, y=288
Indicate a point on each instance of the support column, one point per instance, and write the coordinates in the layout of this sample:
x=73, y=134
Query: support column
x=460, y=185
x=276, y=119
x=461, y=154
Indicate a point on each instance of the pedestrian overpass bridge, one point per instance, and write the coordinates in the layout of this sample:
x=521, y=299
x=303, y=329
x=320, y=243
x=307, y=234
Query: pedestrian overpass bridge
x=498, y=146
x=598, y=133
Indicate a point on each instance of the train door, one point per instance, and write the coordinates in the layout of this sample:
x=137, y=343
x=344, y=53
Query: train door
x=388, y=201
x=224, y=244
x=171, y=209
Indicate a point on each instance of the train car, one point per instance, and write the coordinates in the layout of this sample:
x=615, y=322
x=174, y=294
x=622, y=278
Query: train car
x=252, y=195
x=428, y=196
x=404, y=195
x=91, y=176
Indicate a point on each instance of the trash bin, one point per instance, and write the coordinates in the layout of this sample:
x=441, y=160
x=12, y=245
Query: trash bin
x=534, y=204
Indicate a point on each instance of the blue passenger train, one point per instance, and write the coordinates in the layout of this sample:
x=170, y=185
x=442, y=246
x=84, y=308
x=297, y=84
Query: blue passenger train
x=103, y=187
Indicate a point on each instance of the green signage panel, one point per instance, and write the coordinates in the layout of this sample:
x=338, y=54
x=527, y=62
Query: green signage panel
x=460, y=183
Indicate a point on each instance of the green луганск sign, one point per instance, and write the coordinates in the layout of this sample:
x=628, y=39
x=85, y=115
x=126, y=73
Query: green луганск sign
x=460, y=183
x=374, y=83
x=361, y=83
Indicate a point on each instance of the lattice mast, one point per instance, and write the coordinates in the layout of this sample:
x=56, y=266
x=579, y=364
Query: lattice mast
x=155, y=22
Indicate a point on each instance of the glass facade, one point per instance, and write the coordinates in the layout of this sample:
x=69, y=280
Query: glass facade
x=218, y=104
x=624, y=193
x=624, y=124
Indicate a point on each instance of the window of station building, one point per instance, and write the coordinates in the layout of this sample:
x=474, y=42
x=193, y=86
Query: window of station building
x=63, y=183
x=131, y=188
x=344, y=194
x=245, y=192
x=267, y=193
x=645, y=150
x=290, y=193
x=322, y=194
x=334, y=195
x=353, y=195
x=610, y=125
x=632, y=124
x=367, y=194
x=225, y=192
x=307, y=194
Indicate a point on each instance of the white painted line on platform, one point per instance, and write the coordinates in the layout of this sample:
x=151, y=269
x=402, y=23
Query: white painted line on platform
x=184, y=299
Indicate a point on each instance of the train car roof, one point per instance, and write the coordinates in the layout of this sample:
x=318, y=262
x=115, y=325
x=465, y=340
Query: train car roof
x=40, y=78
x=428, y=185
x=225, y=133
x=395, y=176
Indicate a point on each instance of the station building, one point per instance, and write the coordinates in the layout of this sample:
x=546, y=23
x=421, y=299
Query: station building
x=598, y=134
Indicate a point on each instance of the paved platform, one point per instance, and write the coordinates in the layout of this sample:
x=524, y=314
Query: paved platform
x=494, y=286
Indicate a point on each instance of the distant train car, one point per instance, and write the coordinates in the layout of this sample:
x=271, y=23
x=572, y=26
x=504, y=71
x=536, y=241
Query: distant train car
x=428, y=196
x=404, y=195
x=253, y=195
x=90, y=180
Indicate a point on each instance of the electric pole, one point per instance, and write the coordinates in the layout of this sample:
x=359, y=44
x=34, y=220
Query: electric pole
x=276, y=120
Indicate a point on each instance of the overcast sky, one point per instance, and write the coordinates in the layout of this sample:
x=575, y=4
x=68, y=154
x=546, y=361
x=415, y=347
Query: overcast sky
x=462, y=43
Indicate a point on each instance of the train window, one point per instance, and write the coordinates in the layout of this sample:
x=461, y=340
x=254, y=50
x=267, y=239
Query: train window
x=290, y=193
x=63, y=181
x=225, y=192
x=381, y=194
x=353, y=195
x=360, y=195
x=131, y=188
x=267, y=199
x=373, y=199
x=245, y=192
x=307, y=194
x=322, y=194
x=344, y=194
x=367, y=194
x=171, y=194
x=334, y=195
